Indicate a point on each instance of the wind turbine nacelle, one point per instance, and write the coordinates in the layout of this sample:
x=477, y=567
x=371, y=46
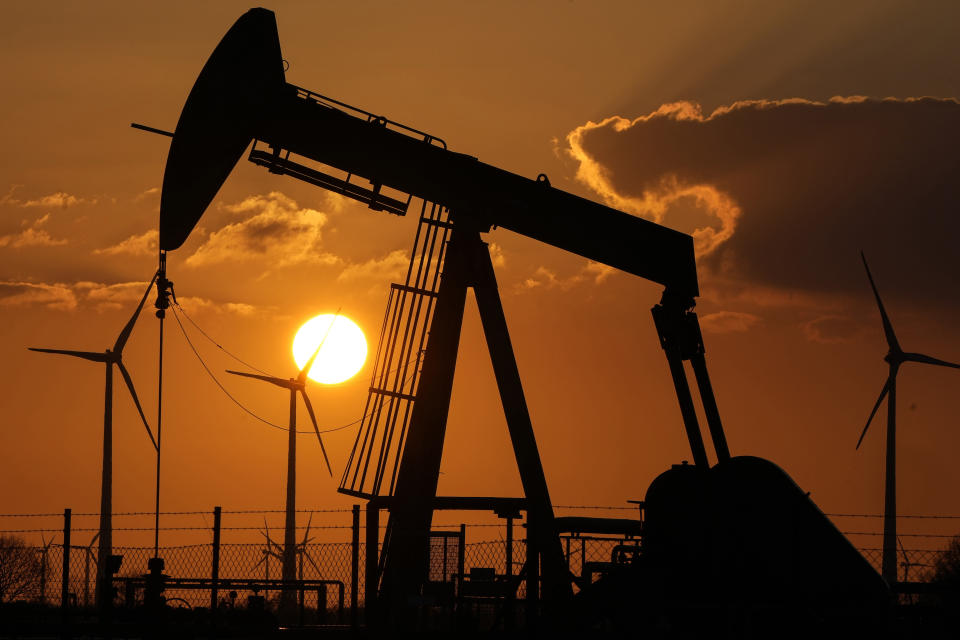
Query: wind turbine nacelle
x=242, y=95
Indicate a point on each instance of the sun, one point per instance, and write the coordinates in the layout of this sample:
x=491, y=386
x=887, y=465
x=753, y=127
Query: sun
x=343, y=352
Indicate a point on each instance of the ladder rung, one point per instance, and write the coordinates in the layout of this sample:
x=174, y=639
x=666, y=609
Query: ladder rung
x=414, y=290
x=393, y=394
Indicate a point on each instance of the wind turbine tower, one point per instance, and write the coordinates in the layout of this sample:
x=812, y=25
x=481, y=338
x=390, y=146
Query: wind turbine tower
x=895, y=357
x=294, y=385
x=111, y=358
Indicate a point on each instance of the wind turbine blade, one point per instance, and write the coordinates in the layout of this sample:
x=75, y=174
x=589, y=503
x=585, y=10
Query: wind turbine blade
x=919, y=357
x=269, y=550
x=313, y=419
x=307, y=532
x=319, y=572
x=136, y=401
x=302, y=376
x=883, y=394
x=125, y=333
x=887, y=326
x=266, y=534
x=280, y=382
x=270, y=543
x=96, y=356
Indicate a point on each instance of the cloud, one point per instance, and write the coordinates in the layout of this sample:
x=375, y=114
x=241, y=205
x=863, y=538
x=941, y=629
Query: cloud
x=52, y=296
x=831, y=329
x=544, y=278
x=666, y=199
x=148, y=193
x=496, y=255
x=197, y=304
x=34, y=235
x=58, y=199
x=102, y=297
x=598, y=271
x=145, y=244
x=782, y=194
x=275, y=230
x=728, y=322
x=110, y=296
x=392, y=267
x=127, y=294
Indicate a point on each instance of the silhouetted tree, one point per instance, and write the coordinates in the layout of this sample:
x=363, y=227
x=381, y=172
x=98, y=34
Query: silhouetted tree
x=19, y=568
x=945, y=575
x=946, y=570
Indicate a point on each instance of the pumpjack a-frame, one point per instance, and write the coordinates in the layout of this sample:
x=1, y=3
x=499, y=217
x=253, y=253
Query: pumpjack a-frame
x=467, y=265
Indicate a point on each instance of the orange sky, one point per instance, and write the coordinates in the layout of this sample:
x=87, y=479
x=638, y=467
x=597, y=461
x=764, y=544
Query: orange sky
x=793, y=341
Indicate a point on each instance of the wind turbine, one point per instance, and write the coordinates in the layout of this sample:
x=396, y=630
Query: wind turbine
x=895, y=357
x=302, y=550
x=43, y=568
x=111, y=358
x=294, y=385
x=268, y=552
x=906, y=564
x=88, y=553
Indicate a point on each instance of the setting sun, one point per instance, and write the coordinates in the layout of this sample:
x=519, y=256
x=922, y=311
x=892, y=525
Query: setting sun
x=343, y=352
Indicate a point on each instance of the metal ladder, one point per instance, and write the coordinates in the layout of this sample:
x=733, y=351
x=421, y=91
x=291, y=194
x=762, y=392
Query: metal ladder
x=371, y=469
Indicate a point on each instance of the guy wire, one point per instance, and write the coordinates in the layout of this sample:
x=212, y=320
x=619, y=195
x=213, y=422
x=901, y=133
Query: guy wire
x=229, y=395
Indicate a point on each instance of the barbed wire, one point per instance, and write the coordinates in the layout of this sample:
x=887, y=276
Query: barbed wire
x=880, y=515
x=222, y=528
x=584, y=506
x=452, y=525
x=901, y=535
x=59, y=514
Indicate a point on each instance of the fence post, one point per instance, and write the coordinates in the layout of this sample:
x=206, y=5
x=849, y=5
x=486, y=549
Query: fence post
x=533, y=569
x=509, y=543
x=65, y=575
x=354, y=566
x=215, y=569
x=373, y=548
x=509, y=610
x=461, y=547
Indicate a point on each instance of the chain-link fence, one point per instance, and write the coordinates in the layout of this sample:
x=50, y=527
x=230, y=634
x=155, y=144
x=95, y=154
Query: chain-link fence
x=34, y=572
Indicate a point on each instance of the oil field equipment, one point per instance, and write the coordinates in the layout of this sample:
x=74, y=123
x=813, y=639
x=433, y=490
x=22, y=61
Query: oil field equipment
x=713, y=536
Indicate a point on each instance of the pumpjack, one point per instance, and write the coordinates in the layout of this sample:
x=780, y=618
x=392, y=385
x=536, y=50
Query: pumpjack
x=737, y=532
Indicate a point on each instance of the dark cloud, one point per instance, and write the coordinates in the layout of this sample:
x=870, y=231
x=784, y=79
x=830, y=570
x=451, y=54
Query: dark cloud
x=787, y=192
